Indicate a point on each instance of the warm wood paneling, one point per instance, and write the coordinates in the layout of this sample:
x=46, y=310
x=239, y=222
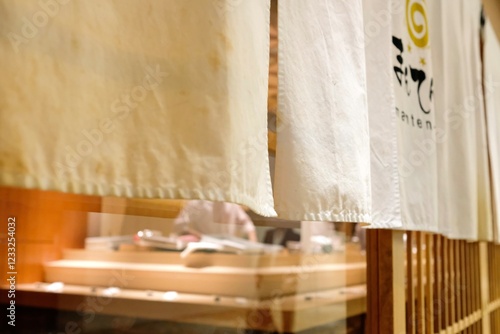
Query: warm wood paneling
x=46, y=223
x=492, y=9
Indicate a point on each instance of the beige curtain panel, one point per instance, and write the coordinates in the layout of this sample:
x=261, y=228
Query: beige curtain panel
x=415, y=115
x=322, y=151
x=465, y=210
x=492, y=92
x=163, y=99
x=383, y=121
x=381, y=115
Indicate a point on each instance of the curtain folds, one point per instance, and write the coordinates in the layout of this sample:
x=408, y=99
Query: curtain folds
x=322, y=151
x=152, y=99
x=387, y=109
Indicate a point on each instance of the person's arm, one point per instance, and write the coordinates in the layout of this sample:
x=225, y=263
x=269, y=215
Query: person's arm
x=180, y=222
x=252, y=235
x=186, y=221
x=183, y=221
x=190, y=235
x=182, y=229
x=248, y=225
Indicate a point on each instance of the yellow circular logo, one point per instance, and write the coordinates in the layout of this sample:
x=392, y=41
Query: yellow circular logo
x=416, y=20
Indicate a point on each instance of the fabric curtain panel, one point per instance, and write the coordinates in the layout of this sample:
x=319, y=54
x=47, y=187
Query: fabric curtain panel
x=386, y=206
x=164, y=99
x=492, y=93
x=388, y=110
x=415, y=114
x=322, y=154
x=464, y=185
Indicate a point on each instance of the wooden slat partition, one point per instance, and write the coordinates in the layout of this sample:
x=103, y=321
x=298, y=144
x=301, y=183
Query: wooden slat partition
x=451, y=286
x=410, y=294
x=494, y=279
x=438, y=293
x=429, y=292
x=384, y=297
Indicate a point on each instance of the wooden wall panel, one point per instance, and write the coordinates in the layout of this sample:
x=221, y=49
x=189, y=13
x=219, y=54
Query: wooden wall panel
x=46, y=223
x=492, y=9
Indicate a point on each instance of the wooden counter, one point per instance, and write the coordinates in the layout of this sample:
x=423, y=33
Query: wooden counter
x=284, y=293
x=256, y=277
x=288, y=314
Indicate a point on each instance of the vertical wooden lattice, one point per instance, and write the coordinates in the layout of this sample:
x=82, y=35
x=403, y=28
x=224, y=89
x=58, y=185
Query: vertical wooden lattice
x=446, y=287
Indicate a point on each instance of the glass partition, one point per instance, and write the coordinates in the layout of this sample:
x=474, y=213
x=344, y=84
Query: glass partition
x=91, y=265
